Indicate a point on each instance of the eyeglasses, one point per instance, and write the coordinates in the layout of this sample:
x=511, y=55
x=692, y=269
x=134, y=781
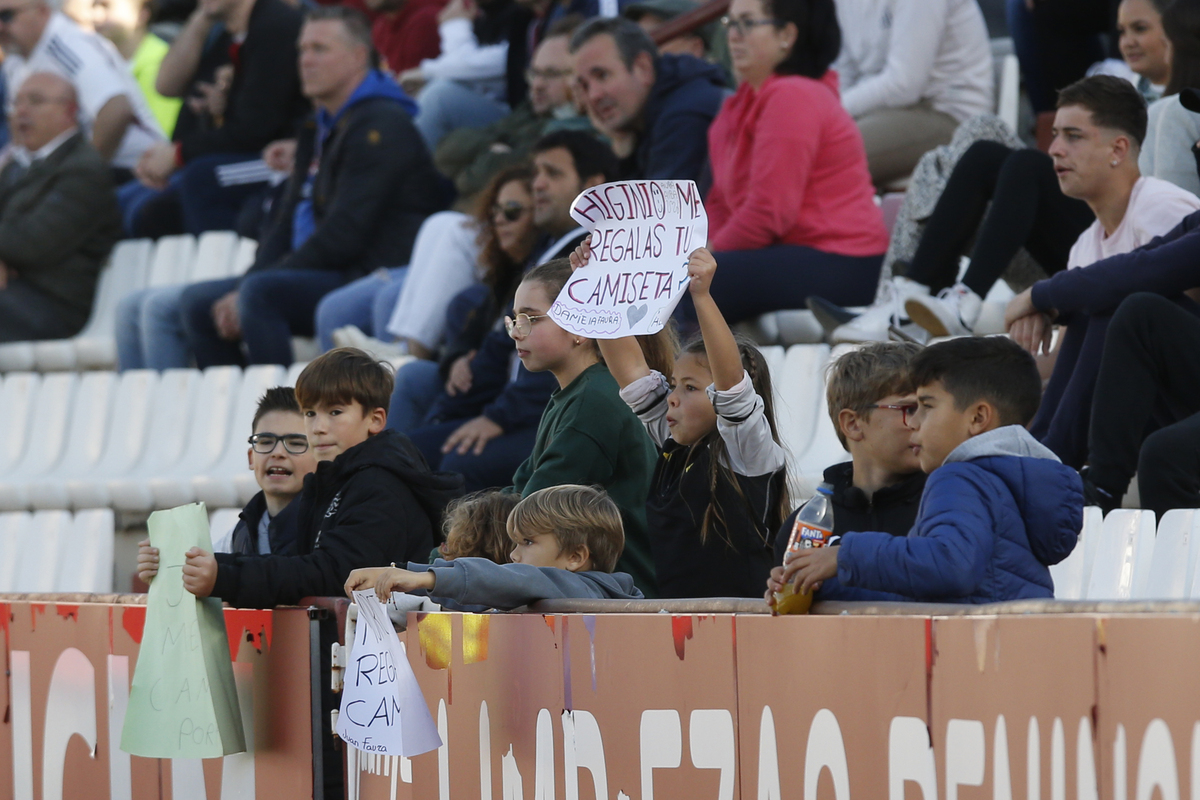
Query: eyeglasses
x=7, y=15
x=907, y=410
x=294, y=443
x=523, y=324
x=533, y=74
x=510, y=211
x=743, y=26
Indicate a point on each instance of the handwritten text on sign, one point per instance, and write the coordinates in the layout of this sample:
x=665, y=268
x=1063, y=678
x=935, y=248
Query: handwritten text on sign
x=642, y=235
x=382, y=708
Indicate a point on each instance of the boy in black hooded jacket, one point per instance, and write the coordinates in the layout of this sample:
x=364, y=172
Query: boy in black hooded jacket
x=371, y=500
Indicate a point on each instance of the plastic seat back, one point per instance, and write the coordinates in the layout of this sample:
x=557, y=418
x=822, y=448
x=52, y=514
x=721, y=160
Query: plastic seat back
x=48, y=427
x=172, y=261
x=293, y=373
x=221, y=524
x=11, y=540
x=133, y=409
x=87, y=562
x=90, y=416
x=125, y=273
x=255, y=382
x=824, y=449
x=1113, y=571
x=166, y=433
x=1069, y=574
x=244, y=258
x=215, y=251
x=45, y=540
x=18, y=397
x=210, y=425
x=1169, y=576
x=801, y=395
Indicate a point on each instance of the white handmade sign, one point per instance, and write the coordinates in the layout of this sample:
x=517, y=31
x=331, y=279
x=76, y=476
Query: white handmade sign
x=642, y=235
x=382, y=709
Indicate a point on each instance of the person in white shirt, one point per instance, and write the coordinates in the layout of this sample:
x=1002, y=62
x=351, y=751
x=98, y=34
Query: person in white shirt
x=37, y=37
x=1097, y=130
x=911, y=71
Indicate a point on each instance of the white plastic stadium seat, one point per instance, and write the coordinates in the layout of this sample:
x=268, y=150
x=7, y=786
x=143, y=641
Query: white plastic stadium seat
x=10, y=547
x=244, y=258
x=293, y=373
x=304, y=348
x=87, y=558
x=166, y=437
x=824, y=449
x=229, y=482
x=110, y=450
x=801, y=391
x=43, y=543
x=17, y=357
x=215, y=251
x=47, y=431
x=1069, y=574
x=1174, y=558
x=84, y=443
x=794, y=326
x=95, y=346
x=1116, y=560
x=1008, y=96
x=210, y=425
x=172, y=261
x=18, y=396
x=221, y=523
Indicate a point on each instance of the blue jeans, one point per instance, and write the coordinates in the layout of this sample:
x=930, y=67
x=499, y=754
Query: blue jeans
x=366, y=303
x=149, y=330
x=492, y=468
x=446, y=105
x=418, y=384
x=273, y=305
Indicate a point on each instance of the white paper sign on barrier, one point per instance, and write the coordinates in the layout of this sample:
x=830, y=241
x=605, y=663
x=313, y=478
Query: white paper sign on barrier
x=382, y=708
x=642, y=235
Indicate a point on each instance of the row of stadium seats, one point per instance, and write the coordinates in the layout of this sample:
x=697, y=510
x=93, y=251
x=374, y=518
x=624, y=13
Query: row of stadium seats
x=56, y=551
x=141, y=440
x=135, y=264
x=1123, y=556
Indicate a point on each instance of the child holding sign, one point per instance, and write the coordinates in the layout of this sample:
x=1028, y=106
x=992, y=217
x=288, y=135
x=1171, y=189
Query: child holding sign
x=586, y=435
x=720, y=487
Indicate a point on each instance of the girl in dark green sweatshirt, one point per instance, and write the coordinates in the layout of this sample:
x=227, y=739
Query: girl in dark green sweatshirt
x=588, y=435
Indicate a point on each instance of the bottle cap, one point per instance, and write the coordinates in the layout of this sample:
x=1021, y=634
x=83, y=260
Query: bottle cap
x=825, y=488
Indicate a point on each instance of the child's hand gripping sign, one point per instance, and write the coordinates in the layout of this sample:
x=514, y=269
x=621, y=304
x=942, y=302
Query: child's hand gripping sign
x=642, y=235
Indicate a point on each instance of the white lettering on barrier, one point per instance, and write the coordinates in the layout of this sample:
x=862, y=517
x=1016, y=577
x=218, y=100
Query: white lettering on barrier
x=70, y=710
x=1120, y=773
x=510, y=777
x=583, y=748
x=1033, y=761
x=22, y=722
x=910, y=758
x=1058, y=761
x=661, y=739
x=120, y=780
x=1156, y=764
x=543, y=772
x=1195, y=770
x=964, y=755
x=237, y=775
x=1085, y=763
x=768, y=758
x=443, y=753
x=485, y=752
x=826, y=750
x=1001, y=774
x=712, y=745
x=187, y=779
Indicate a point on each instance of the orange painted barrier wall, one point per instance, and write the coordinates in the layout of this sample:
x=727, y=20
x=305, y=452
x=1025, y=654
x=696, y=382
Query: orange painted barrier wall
x=68, y=668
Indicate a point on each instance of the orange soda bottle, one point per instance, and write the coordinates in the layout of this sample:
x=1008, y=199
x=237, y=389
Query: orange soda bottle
x=813, y=528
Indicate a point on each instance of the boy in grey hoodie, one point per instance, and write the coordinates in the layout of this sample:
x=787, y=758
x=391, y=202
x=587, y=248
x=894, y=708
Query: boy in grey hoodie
x=998, y=508
x=566, y=541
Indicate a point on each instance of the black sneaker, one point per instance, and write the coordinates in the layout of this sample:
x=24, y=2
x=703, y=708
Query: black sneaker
x=829, y=315
x=1093, y=495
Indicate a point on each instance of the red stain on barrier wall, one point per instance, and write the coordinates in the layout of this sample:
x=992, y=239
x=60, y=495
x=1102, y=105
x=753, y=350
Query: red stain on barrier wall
x=681, y=629
x=34, y=610
x=133, y=620
x=255, y=622
x=67, y=611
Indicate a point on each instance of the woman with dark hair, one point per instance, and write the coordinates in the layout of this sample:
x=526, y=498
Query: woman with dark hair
x=504, y=211
x=1173, y=130
x=791, y=211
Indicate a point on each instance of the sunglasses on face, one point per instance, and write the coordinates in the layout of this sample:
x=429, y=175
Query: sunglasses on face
x=510, y=211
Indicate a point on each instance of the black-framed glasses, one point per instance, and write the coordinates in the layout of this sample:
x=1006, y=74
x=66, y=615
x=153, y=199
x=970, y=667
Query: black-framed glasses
x=743, y=26
x=510, y=211
x=523, y=324
x=907, y=410
x=294, y=443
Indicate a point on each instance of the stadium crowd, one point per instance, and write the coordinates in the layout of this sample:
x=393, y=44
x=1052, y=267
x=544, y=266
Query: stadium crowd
x=407, y=168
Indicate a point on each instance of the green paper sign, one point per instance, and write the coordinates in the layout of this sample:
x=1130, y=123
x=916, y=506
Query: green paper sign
x=183, y=702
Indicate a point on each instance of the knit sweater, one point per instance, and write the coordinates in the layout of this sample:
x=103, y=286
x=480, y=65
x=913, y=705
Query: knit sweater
x=589, y=436
x=789, y=167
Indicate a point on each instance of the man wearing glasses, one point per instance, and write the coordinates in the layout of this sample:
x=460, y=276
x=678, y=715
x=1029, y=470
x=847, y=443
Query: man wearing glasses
x=280, y=458
x=36, y=37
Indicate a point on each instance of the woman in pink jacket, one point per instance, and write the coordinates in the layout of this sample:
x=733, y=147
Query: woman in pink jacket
x=791, y=210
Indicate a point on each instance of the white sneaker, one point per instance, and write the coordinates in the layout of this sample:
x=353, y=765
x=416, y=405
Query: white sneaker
x=953, y=312
x=350, y=336
x=872, y=325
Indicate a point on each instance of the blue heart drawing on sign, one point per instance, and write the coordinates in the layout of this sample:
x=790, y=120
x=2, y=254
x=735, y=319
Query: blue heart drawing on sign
x=635, y=313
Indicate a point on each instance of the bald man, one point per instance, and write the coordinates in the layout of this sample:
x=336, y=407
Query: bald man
x=58, y=215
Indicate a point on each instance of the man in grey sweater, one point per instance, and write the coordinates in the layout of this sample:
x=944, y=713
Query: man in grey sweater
x=58, y=216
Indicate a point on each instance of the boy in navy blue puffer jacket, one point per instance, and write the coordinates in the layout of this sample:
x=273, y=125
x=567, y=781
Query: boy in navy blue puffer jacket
x=998, y=508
